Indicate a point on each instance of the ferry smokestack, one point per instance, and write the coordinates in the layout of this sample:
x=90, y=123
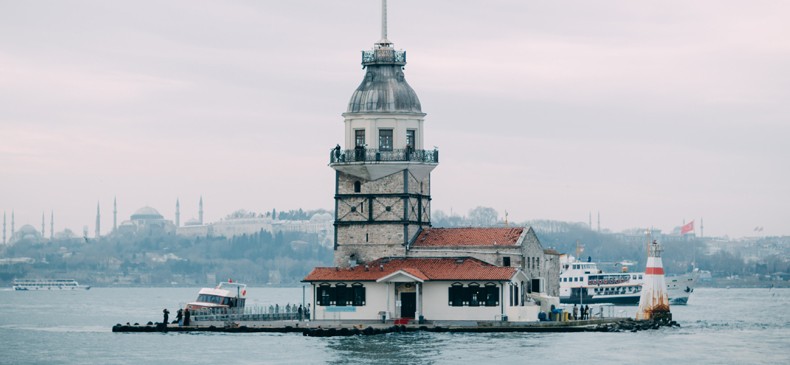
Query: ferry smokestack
x=654, y=301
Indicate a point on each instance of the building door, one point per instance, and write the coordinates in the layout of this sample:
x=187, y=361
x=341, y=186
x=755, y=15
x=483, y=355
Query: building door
x=408, y=305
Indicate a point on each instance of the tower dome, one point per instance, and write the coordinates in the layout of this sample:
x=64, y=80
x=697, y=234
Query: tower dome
x=384, y=88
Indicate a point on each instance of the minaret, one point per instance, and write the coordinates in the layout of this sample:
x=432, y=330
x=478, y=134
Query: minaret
x=114, y=214
x=12, y=224
x=200, y=210
x=382, y=176
x=178, y=214
x=98, y=221
x=43, y=231
x=599, y=222
x=52, y=225
x=4, y=228
x=654, y=301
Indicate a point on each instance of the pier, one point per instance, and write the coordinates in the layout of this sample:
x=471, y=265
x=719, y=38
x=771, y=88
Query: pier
x=337, y=328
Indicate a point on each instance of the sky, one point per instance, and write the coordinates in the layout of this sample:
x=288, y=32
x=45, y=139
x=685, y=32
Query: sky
x=651, y=113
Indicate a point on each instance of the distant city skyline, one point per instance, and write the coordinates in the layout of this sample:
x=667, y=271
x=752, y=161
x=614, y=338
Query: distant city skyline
x=651, y=113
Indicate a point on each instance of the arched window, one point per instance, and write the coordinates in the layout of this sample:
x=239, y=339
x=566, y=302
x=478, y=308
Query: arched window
x=358, y=292
x=324, y=294
x=357, y=186
x=456, y=295
x=341, y=295
x=491, y=295
x=474, y=294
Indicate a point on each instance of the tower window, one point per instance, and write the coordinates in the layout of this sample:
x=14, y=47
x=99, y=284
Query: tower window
x=410, y=139
x=357, y=186
x=506, y=261
x=359, y=138
x=385, y=139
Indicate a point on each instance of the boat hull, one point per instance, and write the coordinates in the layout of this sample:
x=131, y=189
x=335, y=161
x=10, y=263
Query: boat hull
x=616, y=300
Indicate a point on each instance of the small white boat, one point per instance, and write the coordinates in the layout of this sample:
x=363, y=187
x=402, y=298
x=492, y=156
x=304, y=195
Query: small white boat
x=48, y=284
x=225, y=295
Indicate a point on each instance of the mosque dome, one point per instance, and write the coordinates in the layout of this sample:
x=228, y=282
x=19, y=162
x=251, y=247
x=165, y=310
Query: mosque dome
x=146, y=213
x=384, y=88
x=193, y=222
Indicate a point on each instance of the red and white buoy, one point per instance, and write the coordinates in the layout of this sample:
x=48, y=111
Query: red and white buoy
x=654, y=301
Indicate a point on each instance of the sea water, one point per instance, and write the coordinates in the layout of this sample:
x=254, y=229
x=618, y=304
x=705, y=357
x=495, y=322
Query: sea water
x=718, y=326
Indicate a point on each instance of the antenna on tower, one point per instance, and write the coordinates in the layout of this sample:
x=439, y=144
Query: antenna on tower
x=384, y=22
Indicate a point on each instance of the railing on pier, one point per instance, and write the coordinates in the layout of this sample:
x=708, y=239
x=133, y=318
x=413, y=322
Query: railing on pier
x=360, y=154
x=246, y=314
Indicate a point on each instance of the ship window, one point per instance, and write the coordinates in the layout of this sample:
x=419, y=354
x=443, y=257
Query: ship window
x=385, y=139
x=640, y=276
x=357, y=186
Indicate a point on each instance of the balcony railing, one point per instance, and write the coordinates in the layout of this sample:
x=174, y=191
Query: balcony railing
x=370, y=155
x=383, y=56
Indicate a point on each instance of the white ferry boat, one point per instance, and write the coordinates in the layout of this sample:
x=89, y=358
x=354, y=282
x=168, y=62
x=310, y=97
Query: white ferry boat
x=583, y=282
x=48, y=284
x=225, y=295
x=680, y=287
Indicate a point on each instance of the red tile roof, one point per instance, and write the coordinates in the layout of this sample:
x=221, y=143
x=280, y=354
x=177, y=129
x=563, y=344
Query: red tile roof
x=454, y=268
x=433, y=237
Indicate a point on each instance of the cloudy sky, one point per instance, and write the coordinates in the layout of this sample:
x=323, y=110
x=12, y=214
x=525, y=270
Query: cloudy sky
x=650, y=112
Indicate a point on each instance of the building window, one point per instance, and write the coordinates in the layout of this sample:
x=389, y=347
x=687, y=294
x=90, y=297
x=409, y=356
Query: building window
x=325, y=295
x=357, y=186
x=359, y=138
x=385, y=139
x=491, y=293
x=538, y=267
x=456, y=295
x=474, y=294
x=341, y=295
x=518, y=298
x=358, y=291
x=506, y=261
x=410, y=139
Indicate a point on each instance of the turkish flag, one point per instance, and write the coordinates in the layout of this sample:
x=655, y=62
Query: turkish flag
x=687, y=228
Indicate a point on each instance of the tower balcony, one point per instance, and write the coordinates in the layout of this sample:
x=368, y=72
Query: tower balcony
x=372, y=164
x=338, y=156
x=383, y=56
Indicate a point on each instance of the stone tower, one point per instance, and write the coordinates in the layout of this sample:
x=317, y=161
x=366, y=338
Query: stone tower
x=382, y=176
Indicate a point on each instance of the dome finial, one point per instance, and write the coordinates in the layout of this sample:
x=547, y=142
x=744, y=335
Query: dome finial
x=384, y=42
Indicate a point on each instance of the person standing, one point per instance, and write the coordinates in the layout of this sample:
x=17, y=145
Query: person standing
x=179, y=316
x=301, y=311
x=186, y=317
x=165, y=316
x=575, y=312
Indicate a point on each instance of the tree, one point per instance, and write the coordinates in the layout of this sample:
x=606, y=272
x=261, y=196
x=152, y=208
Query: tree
x=483, y=217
